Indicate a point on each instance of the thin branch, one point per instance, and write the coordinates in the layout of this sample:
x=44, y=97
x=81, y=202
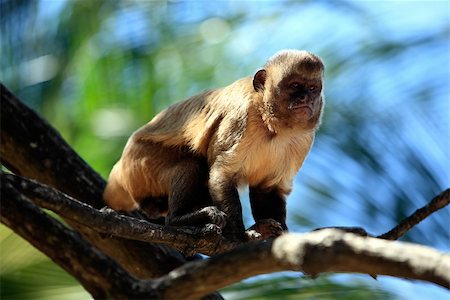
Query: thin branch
x=438, y=202
x=190, y=240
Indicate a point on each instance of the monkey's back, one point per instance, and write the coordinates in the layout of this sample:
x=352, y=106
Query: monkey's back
x=188, y=129
x=194, y=122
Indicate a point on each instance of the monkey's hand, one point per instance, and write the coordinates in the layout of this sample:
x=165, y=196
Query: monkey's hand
x=264, y=229
x=215, y=215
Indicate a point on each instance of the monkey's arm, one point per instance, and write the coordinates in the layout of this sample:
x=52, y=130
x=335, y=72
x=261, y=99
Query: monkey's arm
x=268, y=207
x=226, y=197
x=268, y=203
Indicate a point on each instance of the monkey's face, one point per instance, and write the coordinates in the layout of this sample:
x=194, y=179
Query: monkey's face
x=300, y=97
x=297, y=100
x=292, y=86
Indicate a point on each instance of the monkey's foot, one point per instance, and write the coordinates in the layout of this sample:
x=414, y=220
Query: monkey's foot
x=253, y=235
x=216, y=216
x=266, y=228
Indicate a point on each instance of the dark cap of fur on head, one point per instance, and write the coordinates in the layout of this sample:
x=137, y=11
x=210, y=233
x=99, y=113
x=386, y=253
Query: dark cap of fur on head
x=301, y=60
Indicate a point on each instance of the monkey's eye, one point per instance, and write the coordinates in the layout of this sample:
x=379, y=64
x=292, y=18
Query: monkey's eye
x=294, y=85
x=312, y=88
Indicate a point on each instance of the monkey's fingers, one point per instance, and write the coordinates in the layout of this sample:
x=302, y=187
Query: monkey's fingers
x=268, y=228
x=212, y=228
x=216, y=216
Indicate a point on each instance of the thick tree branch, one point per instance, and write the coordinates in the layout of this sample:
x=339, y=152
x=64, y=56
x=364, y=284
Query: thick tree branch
x=61, y=244
x=327, y=250
x=190, y=240
x=33, y=148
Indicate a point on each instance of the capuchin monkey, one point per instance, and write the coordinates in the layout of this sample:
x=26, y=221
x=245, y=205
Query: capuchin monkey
x=188, y=162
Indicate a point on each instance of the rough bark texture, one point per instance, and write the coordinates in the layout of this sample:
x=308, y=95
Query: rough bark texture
x=63, y=245
x=189, y=240
x=115, y=256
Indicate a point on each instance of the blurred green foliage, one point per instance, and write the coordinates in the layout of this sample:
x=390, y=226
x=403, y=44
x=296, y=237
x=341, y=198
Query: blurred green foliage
x=288, y=287
x=26, y=273
x=97, y=70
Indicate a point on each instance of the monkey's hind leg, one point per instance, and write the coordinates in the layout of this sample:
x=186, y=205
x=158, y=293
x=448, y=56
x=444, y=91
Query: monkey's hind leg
x=189, y=199
x=118, y=198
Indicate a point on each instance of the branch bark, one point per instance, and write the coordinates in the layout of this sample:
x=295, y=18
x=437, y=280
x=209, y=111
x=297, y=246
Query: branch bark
x=64, y=246
x=327, y=250
x=190, y=240
x=438, y=202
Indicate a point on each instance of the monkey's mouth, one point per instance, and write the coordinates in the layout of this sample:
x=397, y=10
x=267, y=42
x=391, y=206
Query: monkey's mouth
x=301, y=107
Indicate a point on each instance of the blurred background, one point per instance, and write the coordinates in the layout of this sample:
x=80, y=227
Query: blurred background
x=97, y=70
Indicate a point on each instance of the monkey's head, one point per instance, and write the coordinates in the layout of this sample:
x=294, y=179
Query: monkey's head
x=291, y=84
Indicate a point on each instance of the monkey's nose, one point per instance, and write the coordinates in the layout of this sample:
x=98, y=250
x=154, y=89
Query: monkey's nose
x=302, y=98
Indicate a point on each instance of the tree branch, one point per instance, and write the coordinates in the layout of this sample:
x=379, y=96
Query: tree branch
x=33, y=148
x=438, y=202
x=61, y=244
x=327, y=250
x=190, y=240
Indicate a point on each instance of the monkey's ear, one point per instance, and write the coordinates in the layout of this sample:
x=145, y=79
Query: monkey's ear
x=259, y=80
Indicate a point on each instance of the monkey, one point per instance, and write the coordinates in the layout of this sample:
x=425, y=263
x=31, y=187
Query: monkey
x=195, y=154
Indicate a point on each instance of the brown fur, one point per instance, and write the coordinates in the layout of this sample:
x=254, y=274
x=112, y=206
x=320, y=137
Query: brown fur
x=244, y=133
